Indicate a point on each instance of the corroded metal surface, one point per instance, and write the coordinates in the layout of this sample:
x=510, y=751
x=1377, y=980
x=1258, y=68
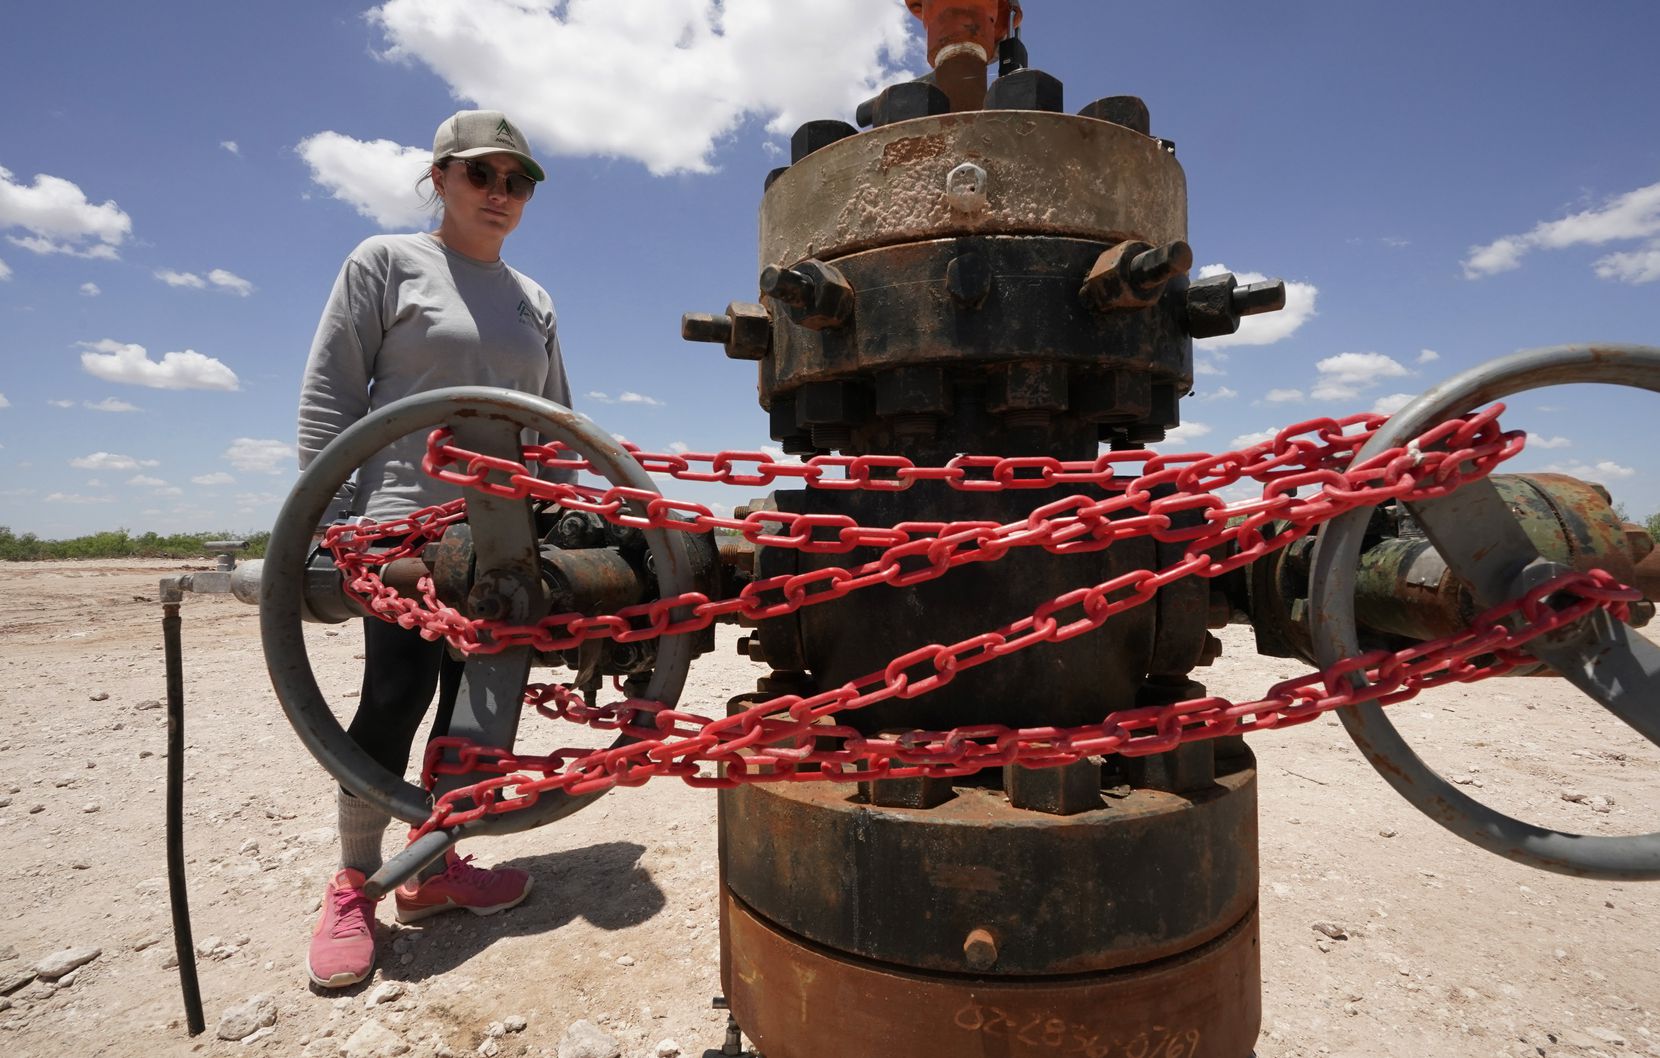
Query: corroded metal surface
x=1047, y=174
x=797, y=1000
x=1147, y=876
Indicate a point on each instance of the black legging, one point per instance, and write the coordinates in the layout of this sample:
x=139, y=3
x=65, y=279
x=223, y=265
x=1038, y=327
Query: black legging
x=400, y=672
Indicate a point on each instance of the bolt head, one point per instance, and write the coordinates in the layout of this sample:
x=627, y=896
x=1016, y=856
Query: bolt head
x=980, y=950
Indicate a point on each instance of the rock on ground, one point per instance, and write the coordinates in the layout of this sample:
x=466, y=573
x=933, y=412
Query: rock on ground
x=373, y=1040
x=245, y=1019
x=59, y=963
x=584, y=1039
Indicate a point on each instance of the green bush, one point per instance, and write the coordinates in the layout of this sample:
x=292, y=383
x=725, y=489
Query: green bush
x=119, y=543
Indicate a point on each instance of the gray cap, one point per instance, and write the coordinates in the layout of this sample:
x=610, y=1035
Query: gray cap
x=470, y=133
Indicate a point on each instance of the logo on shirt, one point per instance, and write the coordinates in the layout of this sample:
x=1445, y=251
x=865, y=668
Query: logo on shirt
x=527, y=315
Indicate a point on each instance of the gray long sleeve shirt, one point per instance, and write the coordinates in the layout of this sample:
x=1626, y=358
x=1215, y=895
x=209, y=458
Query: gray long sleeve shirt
x=408, y=315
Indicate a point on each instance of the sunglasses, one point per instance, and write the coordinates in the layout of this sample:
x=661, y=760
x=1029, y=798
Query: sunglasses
x=519, y=186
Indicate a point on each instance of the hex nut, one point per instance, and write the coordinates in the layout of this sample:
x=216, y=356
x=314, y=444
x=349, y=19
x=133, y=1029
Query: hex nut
x=816, y=135
x=751, y=333
x=907, y=100
x=1128, y=111
x=1026, y=90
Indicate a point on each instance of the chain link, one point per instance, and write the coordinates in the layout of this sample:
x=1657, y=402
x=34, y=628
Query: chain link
x=782, y=739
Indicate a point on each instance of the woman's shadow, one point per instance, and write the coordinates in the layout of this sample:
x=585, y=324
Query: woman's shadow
x=603, y=884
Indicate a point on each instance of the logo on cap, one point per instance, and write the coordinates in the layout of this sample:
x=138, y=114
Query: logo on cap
x=504, y=131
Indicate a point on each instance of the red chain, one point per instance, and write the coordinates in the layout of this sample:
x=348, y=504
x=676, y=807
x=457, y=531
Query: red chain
x=775, y=740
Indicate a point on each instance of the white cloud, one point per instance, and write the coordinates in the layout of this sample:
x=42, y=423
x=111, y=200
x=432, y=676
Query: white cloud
x=1501, y=255
x=170, y=490
x=115, y=361
x=1600, y=471
x=1392, y=403
x=1209, y=365
x=70, y=497
x=231, y=146
x=1220, y=393
x=109, y=461
x=375, y=177
x=97, y=251
x=59, y=218
x=1541, y=441
x=1265, y=328
x=90, y=290
x=216, y=478
x=660, y=82
x=1428, y=356
x=1281, y=396
x=260, y=456
x=625, y=397
x=1347, y=375
x=4, y=403
x=5, y=271
x=1246, y=440
x=1636, y=266
x=146, y=480
x=249, y=502
x=1185, y=434
x=109, y=404
x=181, y=279
x=61, y=403
x=1633, y=215
x=679, y=447
x=230, y=281
x=219, y=277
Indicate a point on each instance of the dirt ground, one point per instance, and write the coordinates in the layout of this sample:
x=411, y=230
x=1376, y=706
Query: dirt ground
x=1449, y=951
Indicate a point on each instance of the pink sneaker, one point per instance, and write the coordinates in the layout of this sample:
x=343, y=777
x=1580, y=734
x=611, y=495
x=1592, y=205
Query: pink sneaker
x=343, y=944
x=463, y=887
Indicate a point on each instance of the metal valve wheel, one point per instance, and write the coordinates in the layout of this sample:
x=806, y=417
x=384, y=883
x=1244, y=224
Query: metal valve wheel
x=489, y=421
x=1482, y=543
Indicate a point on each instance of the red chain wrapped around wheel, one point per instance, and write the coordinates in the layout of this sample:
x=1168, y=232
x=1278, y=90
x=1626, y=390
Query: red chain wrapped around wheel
x=777, y=740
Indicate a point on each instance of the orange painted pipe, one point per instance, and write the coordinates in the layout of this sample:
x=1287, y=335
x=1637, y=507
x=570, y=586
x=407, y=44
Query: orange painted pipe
x=980, y=22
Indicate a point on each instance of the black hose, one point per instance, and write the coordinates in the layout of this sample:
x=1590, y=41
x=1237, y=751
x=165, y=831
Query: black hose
x=183, y=944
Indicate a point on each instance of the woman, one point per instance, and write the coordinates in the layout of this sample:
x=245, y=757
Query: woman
x=408, y=314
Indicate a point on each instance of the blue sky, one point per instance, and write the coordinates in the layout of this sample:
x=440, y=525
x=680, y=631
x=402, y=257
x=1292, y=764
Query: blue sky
x=182, y=180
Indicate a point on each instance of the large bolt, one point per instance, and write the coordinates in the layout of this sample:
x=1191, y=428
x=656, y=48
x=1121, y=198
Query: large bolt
x=980, y=949
x=968, y=279
x=1159, y=265
x=1128, y=111
x=745, y=328
x=902, y=102
x=1026, y=90
x=705, y=327
x=1132, y=275
x=787, y=285
x=816, y=135
x=1215, y=305
x=1063, y=791
x=816, y=295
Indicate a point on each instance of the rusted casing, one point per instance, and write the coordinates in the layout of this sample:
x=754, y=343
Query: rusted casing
x=795, y=999
x=1148, y=875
